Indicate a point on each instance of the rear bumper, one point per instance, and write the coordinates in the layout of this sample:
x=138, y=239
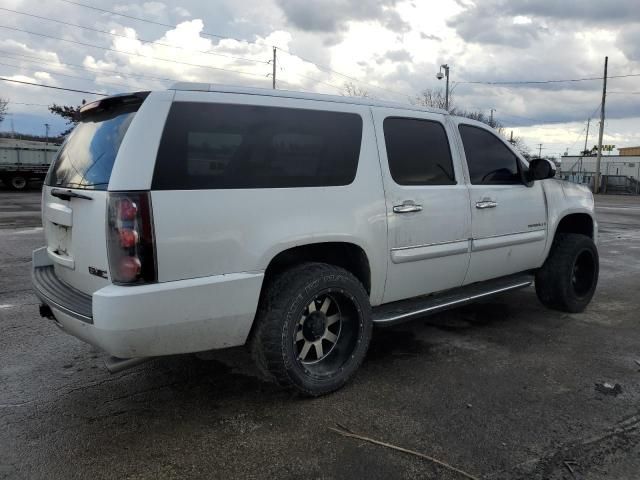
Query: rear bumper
x=157, y=319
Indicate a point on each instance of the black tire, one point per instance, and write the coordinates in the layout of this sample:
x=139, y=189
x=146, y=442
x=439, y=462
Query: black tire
x=568, y=278
x=291, y=315
x=17, y=182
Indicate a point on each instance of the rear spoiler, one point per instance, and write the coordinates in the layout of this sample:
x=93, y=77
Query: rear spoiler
x=113, y=101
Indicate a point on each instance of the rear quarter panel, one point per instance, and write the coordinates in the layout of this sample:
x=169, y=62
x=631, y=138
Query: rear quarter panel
x=211, y=232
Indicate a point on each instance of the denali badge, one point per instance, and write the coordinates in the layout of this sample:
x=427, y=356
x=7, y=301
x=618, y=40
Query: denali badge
x=97, y=272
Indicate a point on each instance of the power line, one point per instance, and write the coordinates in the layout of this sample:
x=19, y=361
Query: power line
x=225, y=37
x=537, y=82
x=284, y=69
x=328, y=69
x=30, y=104
x=222, y=37
x=69, y=76
x=51, y=86
x=132, y=53
x=152, y=42
x=38, y=60
x=584, y=128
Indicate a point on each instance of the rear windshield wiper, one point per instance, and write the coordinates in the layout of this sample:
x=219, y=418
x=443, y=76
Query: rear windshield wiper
x=67, y=194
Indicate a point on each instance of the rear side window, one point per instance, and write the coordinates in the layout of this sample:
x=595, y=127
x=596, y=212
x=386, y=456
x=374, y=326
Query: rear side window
x=220, y=146
x=418, y=152
x=489, y=160
x=86, y=158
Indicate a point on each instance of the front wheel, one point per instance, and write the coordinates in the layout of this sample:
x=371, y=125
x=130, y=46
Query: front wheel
x=568, y=278
x=312, y=329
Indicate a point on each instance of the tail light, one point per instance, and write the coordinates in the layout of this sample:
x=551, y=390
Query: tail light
x=130, y=238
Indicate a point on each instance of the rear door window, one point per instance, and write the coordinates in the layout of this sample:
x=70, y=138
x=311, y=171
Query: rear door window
x=489, y=160
x=418, y=152
x=86, y=158
x=225, y=146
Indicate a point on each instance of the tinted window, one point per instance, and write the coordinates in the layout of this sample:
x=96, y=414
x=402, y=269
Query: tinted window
x=418, y=152
x=208, y=145
x=86, y=158
x=489, y=160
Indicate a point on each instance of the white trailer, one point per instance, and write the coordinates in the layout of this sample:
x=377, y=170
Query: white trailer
x=22, y=161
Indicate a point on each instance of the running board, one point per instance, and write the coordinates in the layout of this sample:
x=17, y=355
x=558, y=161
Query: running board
x=396, y=312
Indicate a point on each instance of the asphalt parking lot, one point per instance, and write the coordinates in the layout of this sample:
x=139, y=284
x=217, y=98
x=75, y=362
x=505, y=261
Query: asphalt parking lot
x=504, y=389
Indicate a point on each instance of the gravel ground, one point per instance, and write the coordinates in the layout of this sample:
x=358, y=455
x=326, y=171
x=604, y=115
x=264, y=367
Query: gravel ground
x=504, y=389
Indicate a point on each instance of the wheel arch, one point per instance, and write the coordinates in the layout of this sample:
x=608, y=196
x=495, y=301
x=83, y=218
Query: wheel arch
x=350, y=256
x=577, y=222
x=572, y=221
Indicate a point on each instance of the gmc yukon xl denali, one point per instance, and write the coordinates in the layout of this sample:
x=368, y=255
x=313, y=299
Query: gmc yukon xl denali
x=205, y=217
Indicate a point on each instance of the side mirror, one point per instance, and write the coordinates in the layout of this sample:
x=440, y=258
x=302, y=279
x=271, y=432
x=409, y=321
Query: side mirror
x=540, y=168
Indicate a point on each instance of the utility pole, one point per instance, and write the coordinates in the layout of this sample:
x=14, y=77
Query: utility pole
x=46, y=137
x=511, y=139
x=273, y=75
x=539, y=150
x=491, y=117
x=596, y=185
x=586, y=139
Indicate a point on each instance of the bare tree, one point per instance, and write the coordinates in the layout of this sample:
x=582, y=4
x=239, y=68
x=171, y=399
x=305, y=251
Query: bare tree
x=480, y=117
x=3, y=108
x=433, y=98
x=350, y=89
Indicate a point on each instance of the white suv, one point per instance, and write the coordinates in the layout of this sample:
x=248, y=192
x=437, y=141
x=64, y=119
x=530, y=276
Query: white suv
x=206, y=217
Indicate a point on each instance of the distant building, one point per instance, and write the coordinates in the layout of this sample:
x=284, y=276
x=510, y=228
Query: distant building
x=580, y=169
x=629, y=151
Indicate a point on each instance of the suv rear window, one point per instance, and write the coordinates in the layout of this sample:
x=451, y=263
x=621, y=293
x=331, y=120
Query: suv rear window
x=86, y=157
x=223, y=146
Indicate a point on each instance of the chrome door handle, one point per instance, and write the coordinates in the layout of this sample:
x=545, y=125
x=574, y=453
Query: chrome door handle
x=486, y=203
x=407, y=207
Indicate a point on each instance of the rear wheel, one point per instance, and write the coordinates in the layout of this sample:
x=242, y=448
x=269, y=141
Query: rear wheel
x=312, y=329
x=568, y=278
x=17, y=182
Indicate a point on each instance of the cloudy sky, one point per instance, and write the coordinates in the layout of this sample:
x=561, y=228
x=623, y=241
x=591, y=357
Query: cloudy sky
x=391, y=48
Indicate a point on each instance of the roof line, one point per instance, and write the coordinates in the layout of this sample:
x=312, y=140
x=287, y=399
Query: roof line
x=366, y=101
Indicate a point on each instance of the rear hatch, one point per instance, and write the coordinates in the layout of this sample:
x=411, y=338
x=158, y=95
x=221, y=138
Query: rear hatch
x=74, y=198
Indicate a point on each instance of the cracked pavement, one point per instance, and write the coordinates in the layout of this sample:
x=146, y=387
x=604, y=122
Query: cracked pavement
x=503, y=389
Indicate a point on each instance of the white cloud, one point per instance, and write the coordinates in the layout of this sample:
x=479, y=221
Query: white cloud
x=182, y=12
x=522, y=20
x=42, y=76
x=155, y=9
x=395, y=46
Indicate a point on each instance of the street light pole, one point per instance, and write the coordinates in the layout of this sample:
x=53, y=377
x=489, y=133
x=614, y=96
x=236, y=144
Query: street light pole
x=446, y=92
